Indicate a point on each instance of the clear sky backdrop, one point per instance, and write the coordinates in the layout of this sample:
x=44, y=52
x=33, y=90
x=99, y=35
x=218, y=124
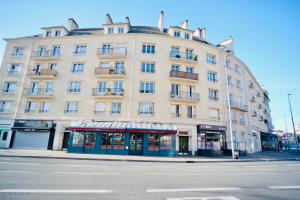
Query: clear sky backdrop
x=266, y=33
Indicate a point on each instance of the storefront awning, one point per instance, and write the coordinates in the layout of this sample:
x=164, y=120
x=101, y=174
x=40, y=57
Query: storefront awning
x=123, y=126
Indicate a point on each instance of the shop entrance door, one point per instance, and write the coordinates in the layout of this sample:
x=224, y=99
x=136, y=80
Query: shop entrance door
x=89, y=143
x=136, y=144
x=183, y=145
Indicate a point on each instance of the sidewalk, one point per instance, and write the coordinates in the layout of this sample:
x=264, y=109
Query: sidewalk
x=262, y=156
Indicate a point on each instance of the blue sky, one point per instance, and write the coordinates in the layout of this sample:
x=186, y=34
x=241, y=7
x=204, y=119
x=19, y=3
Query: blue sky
x=266, y=33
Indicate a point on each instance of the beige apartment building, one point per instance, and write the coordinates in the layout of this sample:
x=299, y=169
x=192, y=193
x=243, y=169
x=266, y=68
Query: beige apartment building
x=124, y=89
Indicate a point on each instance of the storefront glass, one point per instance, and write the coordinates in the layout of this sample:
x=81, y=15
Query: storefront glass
x=166, y=142
x=153, y=142
x=106, y=140
x=78, y=139
x=118, y=141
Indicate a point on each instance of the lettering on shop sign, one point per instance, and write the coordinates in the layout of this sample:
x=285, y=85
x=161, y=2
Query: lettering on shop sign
x=33, y=123
x=211, y=127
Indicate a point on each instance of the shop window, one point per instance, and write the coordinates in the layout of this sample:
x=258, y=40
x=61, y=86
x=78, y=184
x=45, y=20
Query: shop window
x=153, y=142
x=119, y=140
x=166, y=142
x=106, y=140
x=77, y=139
x=90, y=140
x=4, y=136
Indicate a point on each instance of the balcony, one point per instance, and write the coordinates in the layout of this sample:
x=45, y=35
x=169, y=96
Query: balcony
x=184, y=57
x=13, y=72
x=42, y=74
x=175, y=115
x=45, y=55
x=108, y=93
x=191, y=116
x=242, y=121
x=238, y=106
x=184, y=96
x=183, y=75
x=112, y=53
x=4, y=110
x=109, y=72
x=43, y=93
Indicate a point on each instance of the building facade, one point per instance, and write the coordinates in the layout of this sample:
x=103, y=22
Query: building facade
x=128, y=89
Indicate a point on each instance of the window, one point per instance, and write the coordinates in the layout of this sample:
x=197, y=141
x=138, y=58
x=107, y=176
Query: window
x=101, y=89
x=44, y=107
x=100, y=108
x=5, y=106
x=189, y=54
x=18, y=51
x=228, y=63
x=49, y=88
x=237, y=68
x=149, y=49
x=146, y=108
x=190, y=92
x=80, y=49
x=30, y=106
x=71, y=106
x=147, y=67
x=57, y=33
x=34, y=89
x=190, y=112
x=176, y=34
x=212, y=76
x=119, y=68
x=56, y=51
x=118, y=88
x=77, y=67
x=147, y=87
x=110, y=30
x=77, y=139
x=14, y=69
x=106, y=49
x=74, y=86
x=153, y=142
x=4, y=136
x=175, y=110
x=190, y=70
x=175, y=90
x=9, y=87
x=238, y=84
x=176, y=68
x=175, y=52
x=213, y=95
x=230, y=80
x=118, y=141
x=48, y=34
x=214, y=114
x=211, y=59
x=166, y=142
x=106, y=141
x=186, y=36
x=115, y=108
x=103, y=64
x=120, y=30
x=52, y=66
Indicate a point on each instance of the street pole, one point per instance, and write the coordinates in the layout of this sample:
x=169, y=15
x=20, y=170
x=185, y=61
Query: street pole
x=295, y=136
x=285, y=124
x=229, y=108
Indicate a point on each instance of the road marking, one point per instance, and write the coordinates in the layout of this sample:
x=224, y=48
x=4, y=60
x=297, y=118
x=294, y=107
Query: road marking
x=174, y=174
x=52, y=191
x=144, y=166
x=80, y=165
x=284, y=187
x=247, y=174
x=204, y=198
x=293, y=165
x=87, y=173
x=7, y=171
x=209, y=174
x=192, y=189
x=20, y=163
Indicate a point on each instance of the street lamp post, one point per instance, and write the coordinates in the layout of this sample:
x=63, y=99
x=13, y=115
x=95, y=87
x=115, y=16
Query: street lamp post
x=295, y=136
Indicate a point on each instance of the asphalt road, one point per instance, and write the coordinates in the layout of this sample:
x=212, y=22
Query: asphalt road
x=32, y=178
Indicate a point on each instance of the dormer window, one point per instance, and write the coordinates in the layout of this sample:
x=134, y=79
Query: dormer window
x=110, y=30
x=57, y=33
x=176, y=34
x=120, y=30
x=186, y=36
x=48, y=34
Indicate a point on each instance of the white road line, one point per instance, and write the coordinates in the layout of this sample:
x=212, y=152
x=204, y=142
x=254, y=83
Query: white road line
x=145, y=166
x=20, y=163
x=284, y=187
x=192, y=189
x=175, y=174
x=52, y=191
x=209, y=174
x=204, y=198
x=87, y=173
x=9, y=171
x=247, y=174
x=79, y=165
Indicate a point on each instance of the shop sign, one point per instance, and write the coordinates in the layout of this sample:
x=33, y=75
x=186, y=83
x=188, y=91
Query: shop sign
x=211, y=127
x=33, y=124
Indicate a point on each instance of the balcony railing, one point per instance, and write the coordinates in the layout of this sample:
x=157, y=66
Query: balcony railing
x=99, y=112
x=112, y=52
x=13, y=72
x=242, y=121
x=238, y=105
x=185, y=96
x=42, y=73
x=9, y=91
x=175, y=115
x=99, y=92
x=46, y=54
x=190, y=116
x=109, y=71
x=184, y=56
x=4, y=110
x=182, y=74
x=70, y=111
x=42, y=92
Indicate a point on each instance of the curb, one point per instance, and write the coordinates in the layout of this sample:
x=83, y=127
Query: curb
x=162, y=161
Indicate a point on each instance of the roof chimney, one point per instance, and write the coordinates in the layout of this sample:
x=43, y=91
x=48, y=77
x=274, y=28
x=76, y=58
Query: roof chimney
x=202, y=33
x=127, y=21
x=161, y=21
x=228, y=44
x=72, y=25
x=108, y=19
x=185, y=24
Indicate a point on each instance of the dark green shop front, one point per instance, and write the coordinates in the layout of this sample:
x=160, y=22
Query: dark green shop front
x=122, y=141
